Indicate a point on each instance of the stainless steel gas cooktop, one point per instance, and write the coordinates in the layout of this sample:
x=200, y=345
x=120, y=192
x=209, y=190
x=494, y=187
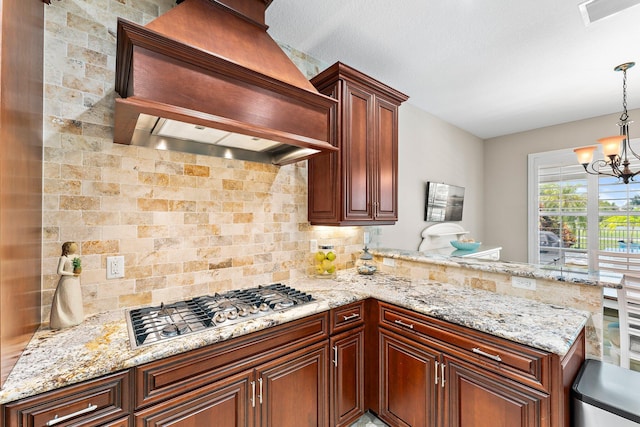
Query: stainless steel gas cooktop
x=149, y=325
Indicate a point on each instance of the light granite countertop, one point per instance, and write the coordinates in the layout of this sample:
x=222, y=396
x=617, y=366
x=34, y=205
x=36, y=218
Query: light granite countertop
x=100, y=345
x=575, y=275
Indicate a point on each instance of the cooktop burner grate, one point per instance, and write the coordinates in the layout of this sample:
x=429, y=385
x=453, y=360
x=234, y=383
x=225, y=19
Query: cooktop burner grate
x=149, y=325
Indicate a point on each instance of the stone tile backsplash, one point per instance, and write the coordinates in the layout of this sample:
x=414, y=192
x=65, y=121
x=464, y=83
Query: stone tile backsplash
x=186, y=224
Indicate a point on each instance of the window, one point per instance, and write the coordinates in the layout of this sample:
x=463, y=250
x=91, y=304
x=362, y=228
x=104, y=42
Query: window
x=581, y=220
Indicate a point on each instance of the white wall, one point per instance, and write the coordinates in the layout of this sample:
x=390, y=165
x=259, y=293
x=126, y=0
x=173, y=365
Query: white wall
x=433, y=150
x=505, y=175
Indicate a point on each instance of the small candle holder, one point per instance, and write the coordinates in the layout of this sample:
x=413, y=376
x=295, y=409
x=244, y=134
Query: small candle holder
x=365, y=263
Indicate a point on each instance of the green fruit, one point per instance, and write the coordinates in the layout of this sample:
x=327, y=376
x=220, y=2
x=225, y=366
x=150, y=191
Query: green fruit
x=331, y=256
x=326, y=264
x=331, y=269
x=319, y=269
x=319, y=256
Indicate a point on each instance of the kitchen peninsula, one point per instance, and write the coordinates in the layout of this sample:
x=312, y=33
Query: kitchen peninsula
x=100, y=346
x=573, y=287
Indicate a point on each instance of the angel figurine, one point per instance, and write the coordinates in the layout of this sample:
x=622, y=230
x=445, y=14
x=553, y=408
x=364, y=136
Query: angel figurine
x=66, y=308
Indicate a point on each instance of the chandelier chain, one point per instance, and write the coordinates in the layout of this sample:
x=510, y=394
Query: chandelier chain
x=624, y=115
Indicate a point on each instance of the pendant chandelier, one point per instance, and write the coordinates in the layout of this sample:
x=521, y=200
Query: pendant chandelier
x=616, y=148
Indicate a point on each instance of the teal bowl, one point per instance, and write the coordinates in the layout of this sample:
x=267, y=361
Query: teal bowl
x=465, y=246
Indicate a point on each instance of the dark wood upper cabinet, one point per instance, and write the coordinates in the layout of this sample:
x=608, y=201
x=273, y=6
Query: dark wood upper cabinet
x=359, y=184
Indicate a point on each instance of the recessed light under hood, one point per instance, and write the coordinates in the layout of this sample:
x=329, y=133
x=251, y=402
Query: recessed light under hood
x=206, y=78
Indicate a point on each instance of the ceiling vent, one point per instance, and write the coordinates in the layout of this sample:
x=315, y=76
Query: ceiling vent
x=206, y=78
x=595, y=10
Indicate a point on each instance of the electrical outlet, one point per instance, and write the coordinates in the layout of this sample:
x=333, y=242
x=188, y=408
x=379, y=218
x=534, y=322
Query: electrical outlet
x=389, y=262
x=523, y=283
x=313, y=245
x=366, y=238
x=115, y=267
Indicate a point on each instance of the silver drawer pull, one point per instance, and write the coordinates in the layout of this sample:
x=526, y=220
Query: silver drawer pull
x=335, y=356
x=351, y=316
x=253, y=394
x=406, y=325
x=436, y=370
x=485, y=354
x=57, y=419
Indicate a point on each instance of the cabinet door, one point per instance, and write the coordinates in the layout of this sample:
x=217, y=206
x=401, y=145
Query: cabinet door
x=476, y=398
x=292, y=390
x=325, y=191
x=408, y=392
x=347, y=377
x=356, y=153
x=385, y=162
x=225, y=403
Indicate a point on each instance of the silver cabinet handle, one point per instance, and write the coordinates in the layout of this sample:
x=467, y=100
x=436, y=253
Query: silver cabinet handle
x=351, y=316
x=442, y=367
x=253, y=394
x=495, y=357
x=406, y=325
x=56, y=419
x=335, y=356
x=260, y=395
x=436, y=369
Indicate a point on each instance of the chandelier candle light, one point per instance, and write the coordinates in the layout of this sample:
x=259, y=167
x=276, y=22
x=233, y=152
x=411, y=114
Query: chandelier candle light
x=615, y=148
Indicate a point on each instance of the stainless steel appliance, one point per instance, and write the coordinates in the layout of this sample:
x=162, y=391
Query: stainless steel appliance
x=605, y=395
x=148, y=325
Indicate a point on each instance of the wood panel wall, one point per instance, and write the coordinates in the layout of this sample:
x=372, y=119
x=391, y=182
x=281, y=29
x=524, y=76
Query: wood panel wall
x=21, y=101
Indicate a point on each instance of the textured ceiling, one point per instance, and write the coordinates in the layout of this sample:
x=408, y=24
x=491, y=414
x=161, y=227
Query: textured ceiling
x=490, y=67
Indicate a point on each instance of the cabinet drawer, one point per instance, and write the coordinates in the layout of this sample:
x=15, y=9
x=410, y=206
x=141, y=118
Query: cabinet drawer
x=524, y=364
x=92, y=403
x=346, y=317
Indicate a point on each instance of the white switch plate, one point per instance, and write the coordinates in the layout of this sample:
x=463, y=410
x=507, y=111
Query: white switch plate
x=115, y=267
x=389, y=261
x=313, y=245
x=523, y=283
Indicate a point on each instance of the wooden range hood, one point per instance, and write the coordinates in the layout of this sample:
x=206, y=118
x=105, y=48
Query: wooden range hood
x=206, y=78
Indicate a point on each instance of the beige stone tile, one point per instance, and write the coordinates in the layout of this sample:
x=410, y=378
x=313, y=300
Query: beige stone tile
x=197, y=170
x=133, y=271
x=99, y=247
x=154, y=179
x=134, y=300
x=115, y=288
x=153, y=204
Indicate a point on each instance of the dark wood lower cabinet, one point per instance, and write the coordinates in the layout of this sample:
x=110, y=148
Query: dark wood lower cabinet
x=347, y=377
x=287, y=392
x=420, y=372
x=477, y=399
x=407, y=391
x=423, y=387
x=292, y=390
x=433, y=373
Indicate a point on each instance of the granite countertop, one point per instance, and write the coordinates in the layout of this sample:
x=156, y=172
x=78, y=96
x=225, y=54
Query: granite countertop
x=100, y=345
x=575, y=275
